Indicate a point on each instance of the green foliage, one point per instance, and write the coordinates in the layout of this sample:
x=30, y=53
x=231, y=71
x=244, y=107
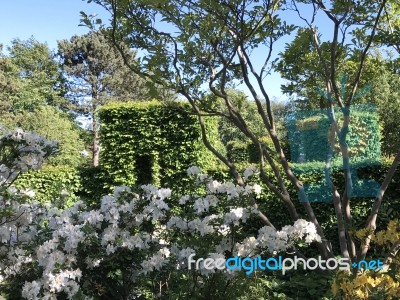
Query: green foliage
x=96, y=69
x=311, y=135
x=386, y=96
x=242, y=152
x=238, y=147
x=248, y=110
x=254, y=153
x=294, y=285
x=31, y=77
x=92, y=185
x=152, y=143
x=387, y=34
x=52, y=184
x=237, y=151
x=56, y=126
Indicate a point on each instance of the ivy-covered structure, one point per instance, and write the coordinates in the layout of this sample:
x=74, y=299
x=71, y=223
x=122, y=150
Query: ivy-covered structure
x=152, y=142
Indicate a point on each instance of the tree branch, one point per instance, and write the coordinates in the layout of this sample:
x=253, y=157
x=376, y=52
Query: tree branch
x=371, y=221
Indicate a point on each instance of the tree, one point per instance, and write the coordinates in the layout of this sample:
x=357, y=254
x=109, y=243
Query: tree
x=200, y=45
x=7, y=83
x=387, y=99
x=32, y=98
x=55, y=126
x=98, y=75
x=299, y=65
x=32, y=77
x=304, y=76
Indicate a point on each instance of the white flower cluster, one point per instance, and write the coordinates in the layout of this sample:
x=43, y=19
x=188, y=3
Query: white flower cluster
x=156, y=261
x=203, y=204
x=143, y=227
x=229, y=188
x=19, y=233
x=193, y=171
x=111, y=225
x=197, y=225
x=17, y=226
x=279, y=241
x=249, y=172
x=232, y=190
x=237, y=214
x=27, y=150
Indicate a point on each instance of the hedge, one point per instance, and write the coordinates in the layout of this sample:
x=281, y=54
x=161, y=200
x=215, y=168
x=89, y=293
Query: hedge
x=151, y=142
x=52, y=184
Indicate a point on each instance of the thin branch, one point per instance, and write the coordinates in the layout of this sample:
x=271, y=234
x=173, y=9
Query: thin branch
x=364, y=54
x=325, y=10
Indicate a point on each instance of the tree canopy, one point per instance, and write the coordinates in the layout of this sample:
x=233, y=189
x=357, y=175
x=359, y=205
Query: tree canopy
x=55, y=126
x=32, y=97
x=98, y=75
x=32, y=77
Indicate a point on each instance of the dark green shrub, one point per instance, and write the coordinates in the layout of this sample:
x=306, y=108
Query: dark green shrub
x=237, y=151
x=91, y=185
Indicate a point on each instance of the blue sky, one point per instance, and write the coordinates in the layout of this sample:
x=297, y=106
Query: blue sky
x=46, y=20
x=52, y=20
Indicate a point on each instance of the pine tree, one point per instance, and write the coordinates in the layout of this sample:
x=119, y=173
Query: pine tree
x=98, y=75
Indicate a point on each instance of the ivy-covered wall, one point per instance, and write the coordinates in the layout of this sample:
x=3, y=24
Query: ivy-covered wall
x=151, y=142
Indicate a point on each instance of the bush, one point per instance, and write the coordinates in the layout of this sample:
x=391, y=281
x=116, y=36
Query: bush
x=51, y=184
x=148, y=142
x=92, y=183
x=55, y=126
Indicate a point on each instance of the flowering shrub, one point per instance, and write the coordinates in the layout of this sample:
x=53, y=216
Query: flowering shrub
x=368, y=285
x=384, y=284
x=20, y=151
x=138, y=242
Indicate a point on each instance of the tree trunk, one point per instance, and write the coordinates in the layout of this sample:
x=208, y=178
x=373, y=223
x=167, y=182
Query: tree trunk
x=95, y=128
x=96, y=143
